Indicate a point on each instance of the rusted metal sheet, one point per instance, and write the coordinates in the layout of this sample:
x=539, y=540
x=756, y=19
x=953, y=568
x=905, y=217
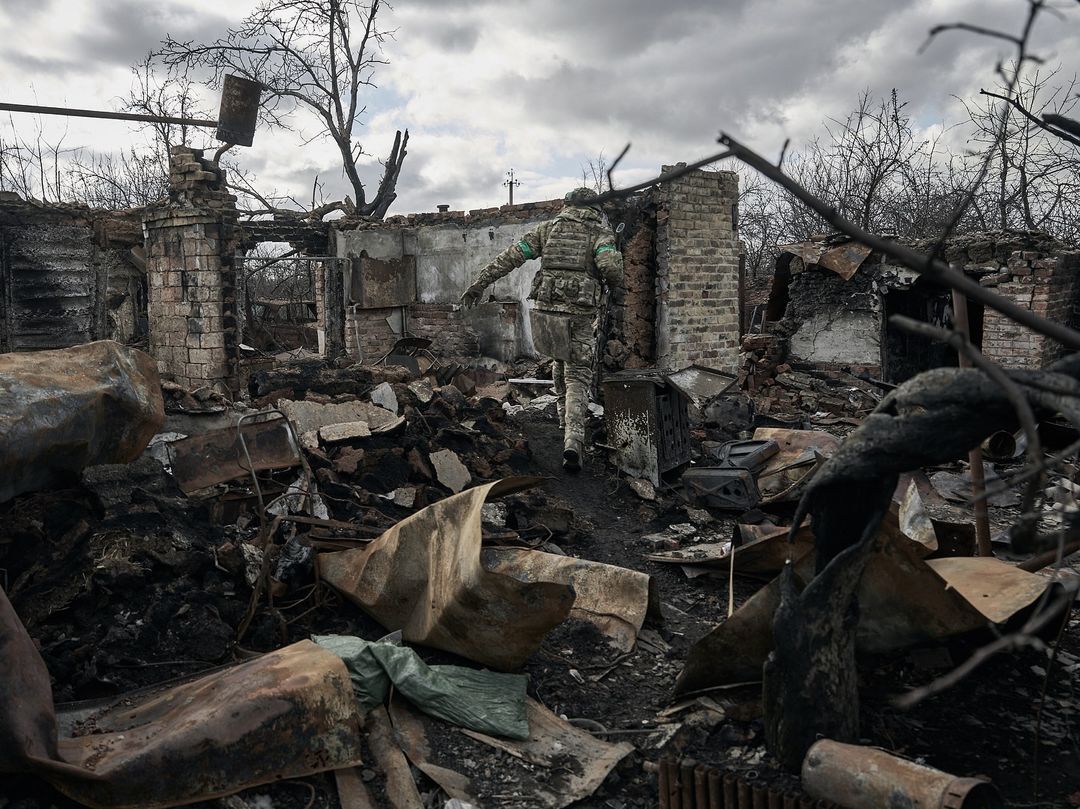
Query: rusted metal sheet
x=378, y=283
x=64, y=410
x=219, y=456
x=239, y=110
x=868, y=778
x=809, y=252
x=788, y=472
x=845, y=260
x=614, y=599
x=424, y=577
x=286, y=714
x=700, y=384
x=996, y=589
x=762, y=556
x=903, y=600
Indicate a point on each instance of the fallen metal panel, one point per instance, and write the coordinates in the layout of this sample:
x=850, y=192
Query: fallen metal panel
x=218, y=456
x=424, y=577
x=614, y=599
x=788, y=472
x=846, y=259
x=764, y=556
x=286, y=714
x=903, y=600
x=996, y=589
x=64, y=410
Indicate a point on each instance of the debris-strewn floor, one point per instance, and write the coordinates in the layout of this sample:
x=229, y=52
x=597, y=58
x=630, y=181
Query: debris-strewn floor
x=123, y=581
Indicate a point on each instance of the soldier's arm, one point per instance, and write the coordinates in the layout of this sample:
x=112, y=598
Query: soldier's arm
x=530, y=246
x=608, y=260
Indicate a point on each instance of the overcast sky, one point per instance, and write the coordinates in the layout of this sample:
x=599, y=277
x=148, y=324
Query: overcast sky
x=545, y=86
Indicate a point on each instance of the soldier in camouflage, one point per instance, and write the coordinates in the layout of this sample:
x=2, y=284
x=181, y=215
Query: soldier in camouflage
x=577, y=253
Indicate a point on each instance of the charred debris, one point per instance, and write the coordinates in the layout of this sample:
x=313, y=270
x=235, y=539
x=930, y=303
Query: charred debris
x=369, y=583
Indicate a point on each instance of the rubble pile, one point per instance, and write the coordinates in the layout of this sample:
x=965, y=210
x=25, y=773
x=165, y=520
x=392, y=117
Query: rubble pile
x=783, y=390
x=365, y=587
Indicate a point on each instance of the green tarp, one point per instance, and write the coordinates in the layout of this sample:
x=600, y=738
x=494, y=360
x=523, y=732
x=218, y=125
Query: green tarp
x=485, y=701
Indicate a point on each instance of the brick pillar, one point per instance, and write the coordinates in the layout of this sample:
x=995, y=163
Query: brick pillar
x=697, y=279
x=190, y=245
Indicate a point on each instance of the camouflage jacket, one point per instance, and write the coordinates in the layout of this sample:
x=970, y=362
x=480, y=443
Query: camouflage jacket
x=575, y=250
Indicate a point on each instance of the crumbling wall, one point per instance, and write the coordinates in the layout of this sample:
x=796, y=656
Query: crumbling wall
x=67, y=275
x=834, y=322
x=444, y=251
x=697, y=284
x=1047, y=286
x=836, y=333
x=190, y=248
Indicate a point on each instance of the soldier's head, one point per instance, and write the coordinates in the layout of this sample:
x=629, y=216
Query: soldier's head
x=581, y=198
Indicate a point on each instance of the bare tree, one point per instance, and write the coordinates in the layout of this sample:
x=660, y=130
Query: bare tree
x=594, y=174
x=318, y=56
x=34, y=167
x=113, y=181
x=1035, y=168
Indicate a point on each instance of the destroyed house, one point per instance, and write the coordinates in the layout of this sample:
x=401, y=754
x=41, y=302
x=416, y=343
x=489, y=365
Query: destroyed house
x=182, y=275
x=831, y=299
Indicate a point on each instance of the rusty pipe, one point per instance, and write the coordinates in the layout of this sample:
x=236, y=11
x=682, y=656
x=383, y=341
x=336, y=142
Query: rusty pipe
x=673, y=794
x=686, y=783
x=716, y=790
x=866, y=778
x=701, y=786
x=1000, y=446
x=759, y=795
x=731, y=800
x=664, y=771
x=742, y=788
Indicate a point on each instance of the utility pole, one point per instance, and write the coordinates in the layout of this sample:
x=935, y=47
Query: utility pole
x=510, y=182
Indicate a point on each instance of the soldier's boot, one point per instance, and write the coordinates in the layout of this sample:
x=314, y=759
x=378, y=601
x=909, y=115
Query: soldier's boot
x=573, y=450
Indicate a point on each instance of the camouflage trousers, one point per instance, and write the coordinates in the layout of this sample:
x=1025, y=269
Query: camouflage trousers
x=573, y=370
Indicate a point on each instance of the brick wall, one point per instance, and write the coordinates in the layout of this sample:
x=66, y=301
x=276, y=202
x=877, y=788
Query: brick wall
x=190, y=245
x=698, y=272
x=1047, y=286
x=370, y=336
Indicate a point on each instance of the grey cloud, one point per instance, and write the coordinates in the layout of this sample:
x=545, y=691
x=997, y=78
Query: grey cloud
x=36, y=65
x=127, y=30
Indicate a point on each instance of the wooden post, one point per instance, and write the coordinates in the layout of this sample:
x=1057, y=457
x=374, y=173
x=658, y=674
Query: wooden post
x=978, y=482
